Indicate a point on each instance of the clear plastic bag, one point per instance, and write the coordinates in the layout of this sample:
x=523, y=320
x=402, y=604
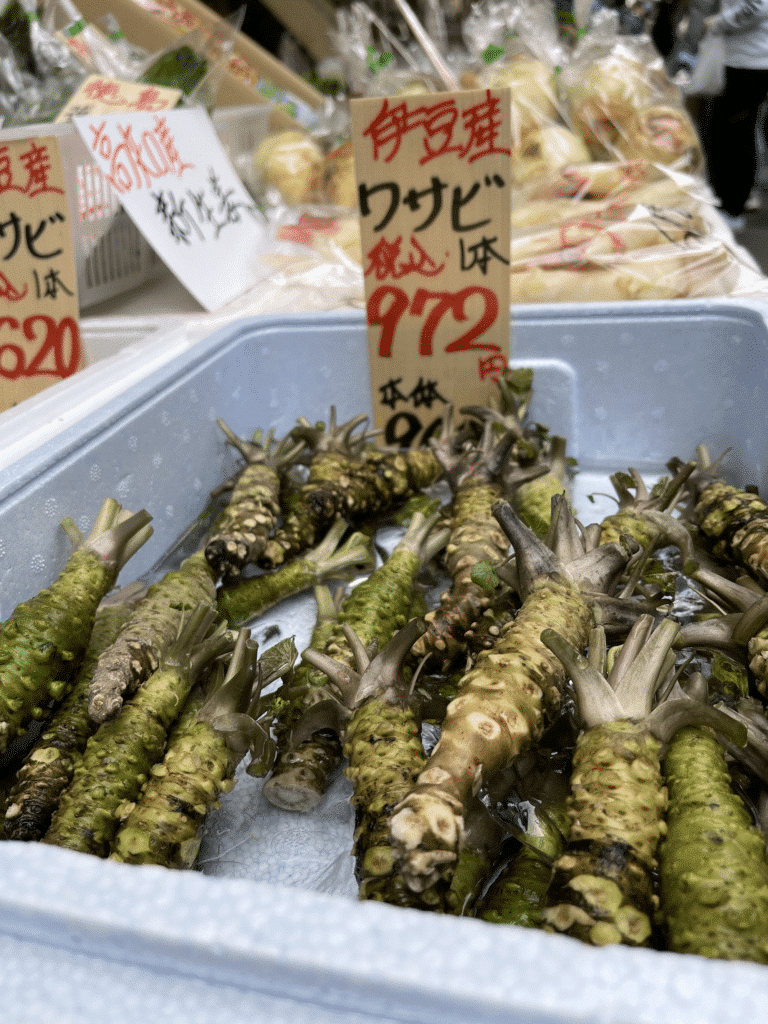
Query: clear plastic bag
x=708, y=76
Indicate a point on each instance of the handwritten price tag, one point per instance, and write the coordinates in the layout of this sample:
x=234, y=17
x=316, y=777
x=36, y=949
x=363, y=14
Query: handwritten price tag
x=100, y=95
x=434, y=196
x=177, y=185
x=39, y=315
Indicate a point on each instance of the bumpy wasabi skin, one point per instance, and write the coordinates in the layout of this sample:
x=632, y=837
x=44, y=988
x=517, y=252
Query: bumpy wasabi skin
x=48, y=767
x=500, y=710
x=246, y=598
x=119, y=756
x=375, y=609
x=378, y=482
x=242, y=531
x=383, y=745
x=42, y=642
x=735, y=523
x=714, y=875
x=335, y=452
x=602, y=889
x=475, y=537
x=163, y=825
x=151, y=629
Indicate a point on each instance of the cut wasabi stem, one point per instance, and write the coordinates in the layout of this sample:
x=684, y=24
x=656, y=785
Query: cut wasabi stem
x=119, y=756
x=219, y=723
x=504, y=700
x=375, y=609
x=303, y=771
x=751, y=627
x=242, y=531
x=331, y=559
x=602, y=887
x=647, y=516
x=43, y=641
x=48, y=767
x=714, y=875
x=151, y=629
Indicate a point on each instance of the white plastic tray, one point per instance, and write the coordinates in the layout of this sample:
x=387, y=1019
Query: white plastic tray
x=97, y=942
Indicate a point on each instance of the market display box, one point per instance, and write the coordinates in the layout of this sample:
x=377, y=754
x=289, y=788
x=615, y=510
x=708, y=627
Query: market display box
x=628, y=385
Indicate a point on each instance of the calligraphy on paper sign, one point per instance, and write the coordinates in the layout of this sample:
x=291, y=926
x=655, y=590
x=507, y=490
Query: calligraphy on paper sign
x=433, y=175
x=171, y=174
x=39, y=307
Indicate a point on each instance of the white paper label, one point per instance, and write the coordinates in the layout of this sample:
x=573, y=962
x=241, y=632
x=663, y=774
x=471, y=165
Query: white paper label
x=174, y=179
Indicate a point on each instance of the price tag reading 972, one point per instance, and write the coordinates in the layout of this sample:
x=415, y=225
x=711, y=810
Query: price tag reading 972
x=433, y=177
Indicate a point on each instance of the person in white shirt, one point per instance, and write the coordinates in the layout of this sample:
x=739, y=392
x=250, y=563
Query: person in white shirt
x=729, y=136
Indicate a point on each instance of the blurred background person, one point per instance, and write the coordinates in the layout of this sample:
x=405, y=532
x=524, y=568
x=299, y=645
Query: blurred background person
x=729, y=131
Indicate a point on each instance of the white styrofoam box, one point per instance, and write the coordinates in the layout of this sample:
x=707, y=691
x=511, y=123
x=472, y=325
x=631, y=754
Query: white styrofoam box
x=111, y=254
x=627, y=384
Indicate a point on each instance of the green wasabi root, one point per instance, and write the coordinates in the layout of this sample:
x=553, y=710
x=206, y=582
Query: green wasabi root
x=602, y=889
x=735, y=524
x=119, y=756
x=151, y=629
x=532, y=499
x=48, y=767
x=247, y=598
x=504, y=700
x=382, y=742
x=518, y=894
x=336, y=451
x=714, y=875
x=218, y=724
x=375, y=610
x=242, y=531
x=45, y=638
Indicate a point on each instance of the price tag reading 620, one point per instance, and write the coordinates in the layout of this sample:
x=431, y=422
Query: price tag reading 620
x=434, y=199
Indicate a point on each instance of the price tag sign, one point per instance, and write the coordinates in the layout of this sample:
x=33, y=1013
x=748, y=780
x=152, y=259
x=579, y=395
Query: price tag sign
x=39, y=320
x=433, y=175
x=99, y=95
x=176, y=183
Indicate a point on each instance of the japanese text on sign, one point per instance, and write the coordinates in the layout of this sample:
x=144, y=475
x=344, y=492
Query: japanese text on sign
x=39, y=328
x=172, y=176
x=98, y=94
x=434, y=197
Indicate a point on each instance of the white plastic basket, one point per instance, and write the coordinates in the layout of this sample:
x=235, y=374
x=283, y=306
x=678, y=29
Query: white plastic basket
x=111, y=254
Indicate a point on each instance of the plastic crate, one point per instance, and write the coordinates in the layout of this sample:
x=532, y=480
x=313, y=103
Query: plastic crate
x=96, y=941
x=111, y=254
